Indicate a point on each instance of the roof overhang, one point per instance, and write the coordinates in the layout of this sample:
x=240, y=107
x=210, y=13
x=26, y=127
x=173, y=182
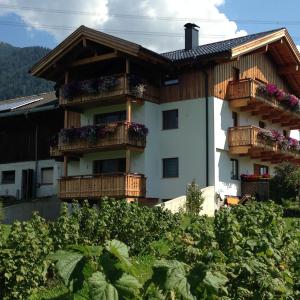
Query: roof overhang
x=83, y=34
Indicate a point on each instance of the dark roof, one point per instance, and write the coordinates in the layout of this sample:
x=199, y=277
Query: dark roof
x=214, y=48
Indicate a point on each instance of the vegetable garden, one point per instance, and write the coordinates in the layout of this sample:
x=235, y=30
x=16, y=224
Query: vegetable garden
x=123, y=251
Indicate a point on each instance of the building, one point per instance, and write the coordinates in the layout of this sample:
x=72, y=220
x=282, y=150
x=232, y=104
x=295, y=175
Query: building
x=26, y=125
x=139, y=124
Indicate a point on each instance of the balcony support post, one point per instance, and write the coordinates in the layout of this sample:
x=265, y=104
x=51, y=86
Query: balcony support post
x=128, y=109
x=65, y=166
x=128, y=160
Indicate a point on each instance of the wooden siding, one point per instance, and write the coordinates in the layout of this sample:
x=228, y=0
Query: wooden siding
x=255, y=66
x=244, y=140
x=191, y=86
x=120, y=138
x=105, y=185
x=72, y=119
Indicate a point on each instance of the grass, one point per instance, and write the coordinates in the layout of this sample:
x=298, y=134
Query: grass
x=55, y=291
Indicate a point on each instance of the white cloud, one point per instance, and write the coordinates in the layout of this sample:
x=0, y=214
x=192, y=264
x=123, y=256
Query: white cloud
x=105, y=15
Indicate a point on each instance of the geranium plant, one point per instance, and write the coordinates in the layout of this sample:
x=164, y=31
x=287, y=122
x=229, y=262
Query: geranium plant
x=270, y=90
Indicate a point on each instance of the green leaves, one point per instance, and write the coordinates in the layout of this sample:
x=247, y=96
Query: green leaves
x=100, y=289
x=68, y=267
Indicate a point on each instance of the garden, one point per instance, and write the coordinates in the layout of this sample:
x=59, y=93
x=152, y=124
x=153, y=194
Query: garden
x=123, y=251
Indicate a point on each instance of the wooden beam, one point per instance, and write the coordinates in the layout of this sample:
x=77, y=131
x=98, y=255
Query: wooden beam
x=288, y=69
x=84, y=42
x=128, y=109
x=128, y=160
x=65, y=166
x=93, y=59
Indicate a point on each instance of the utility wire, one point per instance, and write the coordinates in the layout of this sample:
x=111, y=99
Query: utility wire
x=144, y=17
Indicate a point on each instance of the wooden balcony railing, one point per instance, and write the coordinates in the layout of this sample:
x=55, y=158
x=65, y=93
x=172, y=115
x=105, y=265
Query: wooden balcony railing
x=244, y=95
x=107, y=185
x=120, y=138
x=245, y=140
x=106, y=89
x=55, y=152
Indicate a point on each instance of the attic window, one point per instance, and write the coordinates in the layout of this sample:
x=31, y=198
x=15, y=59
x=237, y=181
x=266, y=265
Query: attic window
x=171, y=81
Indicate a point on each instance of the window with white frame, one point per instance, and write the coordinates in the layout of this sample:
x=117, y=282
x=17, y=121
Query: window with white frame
x=47, y=176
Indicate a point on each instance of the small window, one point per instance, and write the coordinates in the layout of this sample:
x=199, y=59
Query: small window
x=110, y=166
x=8, y=177
x=236, y=74
x=234, y=119
x=117, y=116
x=47, y=176
x=263, y=170
x=170, y=167
x=261, y=124
x=285, y=133
x=234, y=169
x=260, y=169
x=170, y=119
x=173, y=81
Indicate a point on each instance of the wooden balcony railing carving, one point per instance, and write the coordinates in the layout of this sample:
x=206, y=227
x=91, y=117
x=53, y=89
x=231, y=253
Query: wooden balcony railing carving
x=245, y=95
x=120, y=137
x=117, y=185
x=246, y=140
x=105, y=88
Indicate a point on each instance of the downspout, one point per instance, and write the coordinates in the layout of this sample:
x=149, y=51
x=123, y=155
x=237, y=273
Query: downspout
x=206, y=128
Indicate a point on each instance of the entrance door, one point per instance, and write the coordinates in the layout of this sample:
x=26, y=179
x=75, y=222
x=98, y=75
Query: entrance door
x=27, y=184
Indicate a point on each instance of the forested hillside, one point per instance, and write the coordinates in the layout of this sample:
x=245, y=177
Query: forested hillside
x=14, y=78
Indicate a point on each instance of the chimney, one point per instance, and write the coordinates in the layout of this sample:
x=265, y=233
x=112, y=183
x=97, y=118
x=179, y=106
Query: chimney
x=191, y=36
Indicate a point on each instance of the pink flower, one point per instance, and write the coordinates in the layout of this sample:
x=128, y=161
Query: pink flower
x=280, y=95
x=271, y=89
x=293, y=100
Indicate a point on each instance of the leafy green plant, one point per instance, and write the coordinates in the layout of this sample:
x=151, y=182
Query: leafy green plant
x=194, y=199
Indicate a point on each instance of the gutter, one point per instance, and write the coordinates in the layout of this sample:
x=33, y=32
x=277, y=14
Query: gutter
x=29, y=111
x=206, y=128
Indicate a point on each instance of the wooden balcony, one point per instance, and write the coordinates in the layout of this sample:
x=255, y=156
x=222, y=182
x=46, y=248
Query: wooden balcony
x=106, y=185
x=120, y=138
x=245, y=141
x=55, y=152
x=243, y=95
x=113, y=90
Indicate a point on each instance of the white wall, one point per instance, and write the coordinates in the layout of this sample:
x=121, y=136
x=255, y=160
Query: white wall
x=223, y=120
x=42, y=190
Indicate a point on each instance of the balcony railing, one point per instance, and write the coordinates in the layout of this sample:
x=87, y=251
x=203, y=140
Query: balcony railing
x=248, y=95
x=253, y=141
x=55, y=152
x=107, y=185
x=106, y=88
x=117, y=135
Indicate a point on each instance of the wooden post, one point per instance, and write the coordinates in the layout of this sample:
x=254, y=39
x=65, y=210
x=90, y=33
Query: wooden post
x=66, y=126
x=127, y=71
x=128, y=160
x=65, y=166
x=128, y=109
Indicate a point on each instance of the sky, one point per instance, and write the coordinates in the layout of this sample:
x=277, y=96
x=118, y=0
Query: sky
x=155, y=24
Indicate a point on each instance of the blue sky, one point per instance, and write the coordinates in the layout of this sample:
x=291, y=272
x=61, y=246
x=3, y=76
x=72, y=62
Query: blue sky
x=224, y=10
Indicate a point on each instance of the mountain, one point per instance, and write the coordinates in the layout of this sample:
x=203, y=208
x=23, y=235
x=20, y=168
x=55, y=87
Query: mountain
x=14, y=65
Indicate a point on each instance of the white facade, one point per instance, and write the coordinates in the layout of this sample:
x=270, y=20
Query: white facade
x=42, y=190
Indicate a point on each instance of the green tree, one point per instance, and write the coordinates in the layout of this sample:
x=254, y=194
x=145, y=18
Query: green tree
x=285, y=183
x=194, y=199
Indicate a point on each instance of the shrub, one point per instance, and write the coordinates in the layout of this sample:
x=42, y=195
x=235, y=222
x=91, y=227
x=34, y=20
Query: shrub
x=194, y=199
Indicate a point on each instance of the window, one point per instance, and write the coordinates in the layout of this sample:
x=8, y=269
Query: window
x=234, y=119
x=47, y=176
x=170, y=167
x=285, y=133
x=234, y=169
x=262, y=124
x=260, y=169
x=111, y=117
x=236, y=74
x=170, y=119
x=8, y=177
x=110, y=166
x=173, y=81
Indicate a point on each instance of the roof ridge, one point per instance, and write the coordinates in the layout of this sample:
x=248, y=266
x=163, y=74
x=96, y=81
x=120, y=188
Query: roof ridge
x=226, y=40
